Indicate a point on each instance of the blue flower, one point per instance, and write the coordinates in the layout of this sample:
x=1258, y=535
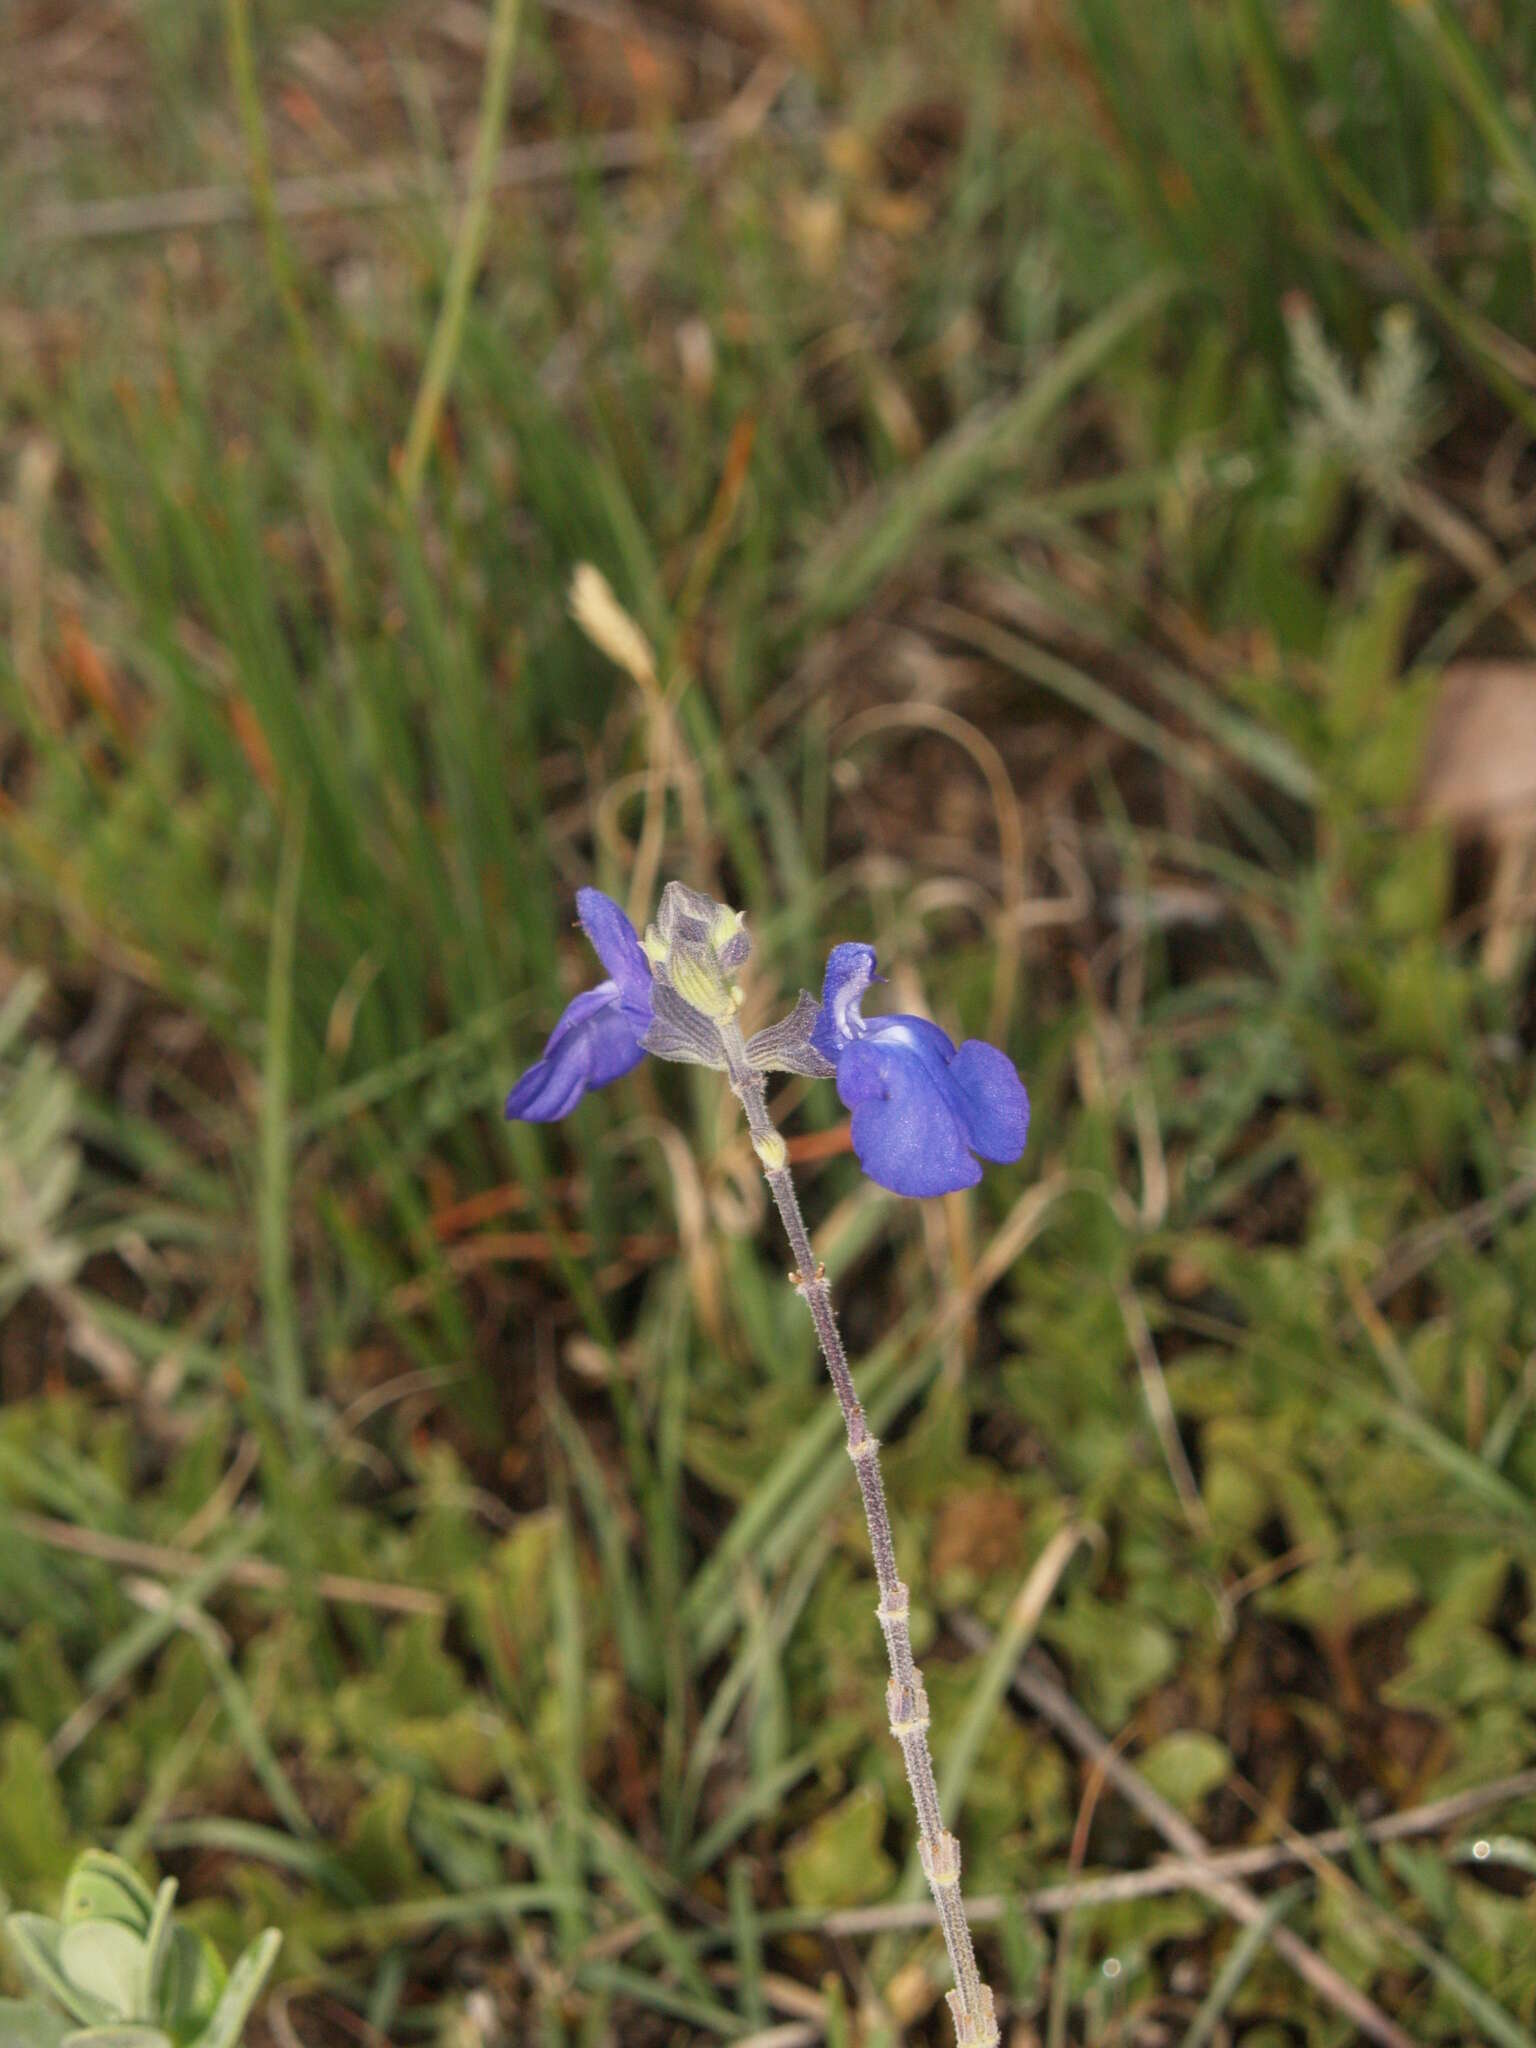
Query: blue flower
x=598, y=1037
x=921, y=1109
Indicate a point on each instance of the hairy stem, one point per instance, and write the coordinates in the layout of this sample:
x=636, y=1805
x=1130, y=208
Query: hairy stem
x=970, y=2001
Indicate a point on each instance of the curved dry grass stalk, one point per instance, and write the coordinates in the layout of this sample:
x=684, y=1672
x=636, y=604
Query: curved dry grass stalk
x=1010, y=830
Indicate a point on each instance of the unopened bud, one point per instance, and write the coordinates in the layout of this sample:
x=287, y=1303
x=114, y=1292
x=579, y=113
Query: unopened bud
x=698, y=981
x=728, y=937
x=695, y=946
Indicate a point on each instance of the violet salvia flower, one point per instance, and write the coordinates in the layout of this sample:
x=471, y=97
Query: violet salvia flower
x=598, y=1037
x=922, y=1110
x=924, y=1114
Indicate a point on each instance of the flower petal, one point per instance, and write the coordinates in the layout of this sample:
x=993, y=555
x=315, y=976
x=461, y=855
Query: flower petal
x=916, y=1035
x=996, y=1101
x=594, y=1043
x=616, y=944
x=906, y=1131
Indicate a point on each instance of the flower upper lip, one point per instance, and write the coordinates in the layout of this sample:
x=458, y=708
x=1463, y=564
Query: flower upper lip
x=850, y=970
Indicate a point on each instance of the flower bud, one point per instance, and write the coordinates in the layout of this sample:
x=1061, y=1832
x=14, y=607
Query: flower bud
x=695, y=947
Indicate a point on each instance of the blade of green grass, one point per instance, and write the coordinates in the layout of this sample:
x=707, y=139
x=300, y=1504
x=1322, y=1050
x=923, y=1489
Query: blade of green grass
x=468, y=246
x=1483, y=100
x=273, y=1197
x=876, y=536
x=268, y=1771
x=1240, y=1959
x=747, y=1943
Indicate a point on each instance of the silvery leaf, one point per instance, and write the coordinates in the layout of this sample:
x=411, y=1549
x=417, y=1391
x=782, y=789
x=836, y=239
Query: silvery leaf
x=241, y=1992
x=104, y=1887
x=106, y=1960
x=157, y=1943
x=35, y=1942
x=30, y=2026
x=680, y=1033
x=191, y=1979
x=125, y=2036
x=786, y=1048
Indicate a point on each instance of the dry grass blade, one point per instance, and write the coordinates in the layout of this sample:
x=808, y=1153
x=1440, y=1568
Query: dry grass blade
x=1420, y=1248
x=405, y=182
x=1178, y=1874
x=257, y=1572
x=1010, y=831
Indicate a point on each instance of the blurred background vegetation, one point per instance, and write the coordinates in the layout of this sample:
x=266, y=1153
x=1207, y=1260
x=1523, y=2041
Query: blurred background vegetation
x=1074, y=461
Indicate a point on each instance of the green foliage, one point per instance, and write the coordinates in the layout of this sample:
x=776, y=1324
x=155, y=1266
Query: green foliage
x=1187, y=1767
x=839, y=1860
x=34, y=1826
x=126, y=1973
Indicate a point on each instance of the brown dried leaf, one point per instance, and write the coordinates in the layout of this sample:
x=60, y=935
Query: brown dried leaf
x=1480, y=770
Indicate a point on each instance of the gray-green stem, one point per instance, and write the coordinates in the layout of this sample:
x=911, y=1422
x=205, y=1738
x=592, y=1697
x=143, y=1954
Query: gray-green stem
x=970, y=2001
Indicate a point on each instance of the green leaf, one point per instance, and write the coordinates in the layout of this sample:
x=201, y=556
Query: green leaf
x=838, y=1860
x=378, y=1850
x=104, y=1887
x=241, y=1992
x=1364, y=654
x=36, y=1943
x=34, y=1828
x=127, y=2036
x=191, y=1980
x=1118, y=1656
x=107, y=1960
x=30, y=2026
x=42, y=1684
x=157, y=1943
x=1186, y=1767
x=1449, y=1669
x=1336, y=1596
